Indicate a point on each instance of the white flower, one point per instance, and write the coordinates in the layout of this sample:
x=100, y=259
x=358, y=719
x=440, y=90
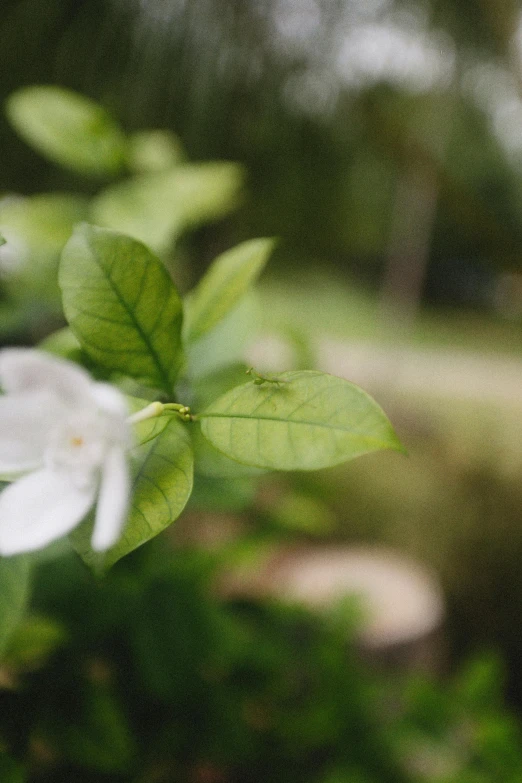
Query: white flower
x=69, y=434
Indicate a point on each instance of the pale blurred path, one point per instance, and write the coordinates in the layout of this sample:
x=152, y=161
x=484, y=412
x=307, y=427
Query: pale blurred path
x=438, y=372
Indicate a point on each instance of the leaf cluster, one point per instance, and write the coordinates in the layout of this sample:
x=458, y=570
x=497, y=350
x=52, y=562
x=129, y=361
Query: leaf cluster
x=141, y=183
x=128, y=322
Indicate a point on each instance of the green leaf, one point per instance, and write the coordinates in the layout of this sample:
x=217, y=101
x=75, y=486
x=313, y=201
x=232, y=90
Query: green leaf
x=162, y=482
x=209, y=387
x=34, y=640
x=14, y=594
x=149, y=428
x=63, y=343
x=36, y=228
x=68, y=128
x=122, y=305
x=14, y=319
x=154, y=150
x=207, y=191
x=227, y=342
x=223, y=286
x=213, y=463
x=157, y=208
x=2, y=240
x=208, y=460
x=306, y=420
x=44, y=222
x=142, y=207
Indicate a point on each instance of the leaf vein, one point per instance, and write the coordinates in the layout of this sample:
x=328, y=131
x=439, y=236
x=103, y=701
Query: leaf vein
x=162, y=493
x=145, y=338
x=322, y=425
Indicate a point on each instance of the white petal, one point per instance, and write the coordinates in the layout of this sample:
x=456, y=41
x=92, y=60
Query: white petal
x=40, y=508
x=110, y=399
x=26, y=369
x=26, y=422
x=113, y=500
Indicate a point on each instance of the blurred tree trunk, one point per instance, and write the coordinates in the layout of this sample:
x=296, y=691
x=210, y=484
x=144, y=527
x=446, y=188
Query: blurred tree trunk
x=409, y=247
x=413, y=219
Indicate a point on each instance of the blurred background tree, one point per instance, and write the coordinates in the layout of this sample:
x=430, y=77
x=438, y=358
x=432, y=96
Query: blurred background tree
x=340, y=110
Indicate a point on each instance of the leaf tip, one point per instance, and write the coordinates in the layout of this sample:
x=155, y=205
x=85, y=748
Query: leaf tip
x=397, y=445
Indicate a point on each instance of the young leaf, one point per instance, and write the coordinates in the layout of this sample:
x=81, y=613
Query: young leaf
x=207, y=191
x=44, y=222
x=227, y=280
x=209, y=387
x=157, y=207
x=154, y=151
x=14, y=593
x=226, y=343
x=304, y=420
x=37, y=228
x=141, y=207
x=122, y=305
x=68, y=128
x=162, y=482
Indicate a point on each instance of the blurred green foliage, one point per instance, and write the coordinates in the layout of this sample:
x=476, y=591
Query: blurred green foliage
x=156, y=205
x=324, y=153
x=150, y=676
